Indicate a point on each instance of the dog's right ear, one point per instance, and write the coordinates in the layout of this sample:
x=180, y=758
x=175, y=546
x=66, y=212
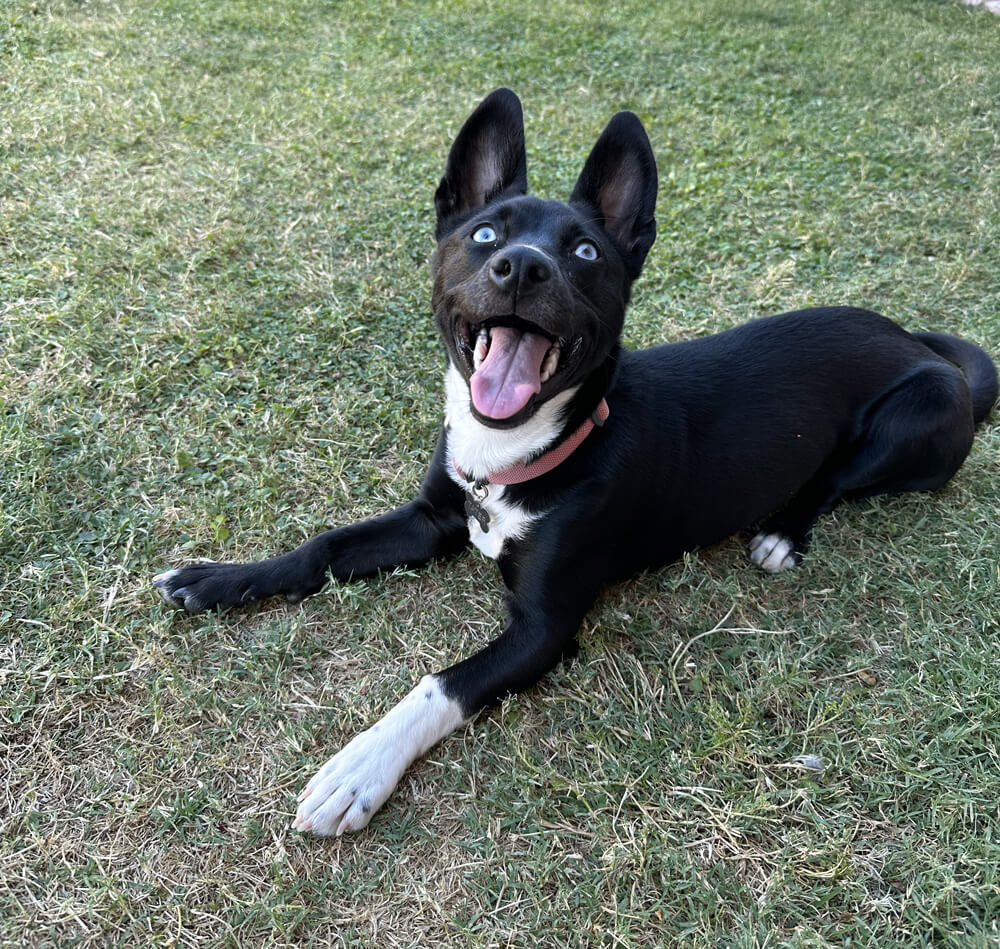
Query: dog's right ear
x=486, y=159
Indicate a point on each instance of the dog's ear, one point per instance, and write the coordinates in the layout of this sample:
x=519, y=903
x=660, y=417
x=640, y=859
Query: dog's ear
x=619, y=181
x=486, y=159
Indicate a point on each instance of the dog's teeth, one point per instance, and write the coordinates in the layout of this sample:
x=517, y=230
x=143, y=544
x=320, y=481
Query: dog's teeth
x=551, y=362
x=482, y=348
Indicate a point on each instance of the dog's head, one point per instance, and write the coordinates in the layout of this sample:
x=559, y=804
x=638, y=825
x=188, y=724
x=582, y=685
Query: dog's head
x=530, y=295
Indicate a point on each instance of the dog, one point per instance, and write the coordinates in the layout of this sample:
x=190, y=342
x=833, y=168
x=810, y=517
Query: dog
x=575, y=463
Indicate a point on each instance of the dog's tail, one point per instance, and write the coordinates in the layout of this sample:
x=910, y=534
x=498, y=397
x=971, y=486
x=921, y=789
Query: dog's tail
x=980, y=371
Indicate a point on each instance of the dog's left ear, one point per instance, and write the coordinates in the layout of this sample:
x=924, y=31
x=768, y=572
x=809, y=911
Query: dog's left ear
x=619, y=181
x=486, y=159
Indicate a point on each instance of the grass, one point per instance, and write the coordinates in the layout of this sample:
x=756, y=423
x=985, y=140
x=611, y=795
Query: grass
x=214, y=244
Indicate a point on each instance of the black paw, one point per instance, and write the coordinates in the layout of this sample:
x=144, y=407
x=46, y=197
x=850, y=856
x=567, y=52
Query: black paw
x=209, y=586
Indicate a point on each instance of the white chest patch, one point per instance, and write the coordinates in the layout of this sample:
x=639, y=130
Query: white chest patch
x=480, y=451
x=507, y=522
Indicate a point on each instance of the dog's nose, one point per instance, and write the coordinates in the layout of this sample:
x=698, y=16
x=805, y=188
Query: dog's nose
x=520, y=269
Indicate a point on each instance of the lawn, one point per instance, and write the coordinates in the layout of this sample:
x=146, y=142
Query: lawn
x=215, y=341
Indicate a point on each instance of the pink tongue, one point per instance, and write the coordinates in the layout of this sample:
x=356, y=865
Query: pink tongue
x=510, y=374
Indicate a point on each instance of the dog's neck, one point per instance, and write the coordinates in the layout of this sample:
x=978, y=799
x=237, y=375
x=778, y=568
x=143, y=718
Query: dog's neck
x=479, y=450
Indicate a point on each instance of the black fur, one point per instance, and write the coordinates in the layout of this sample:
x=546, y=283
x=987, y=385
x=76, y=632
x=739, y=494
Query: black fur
x=773, y=422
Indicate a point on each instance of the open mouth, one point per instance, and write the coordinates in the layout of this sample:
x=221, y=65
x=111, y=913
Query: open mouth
x=510, y=361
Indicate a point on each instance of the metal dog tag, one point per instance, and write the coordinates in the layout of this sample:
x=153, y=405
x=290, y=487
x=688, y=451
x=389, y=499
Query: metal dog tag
x=473, y=508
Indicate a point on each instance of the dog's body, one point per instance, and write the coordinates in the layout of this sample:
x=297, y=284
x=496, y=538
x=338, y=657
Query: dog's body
x=575, y=463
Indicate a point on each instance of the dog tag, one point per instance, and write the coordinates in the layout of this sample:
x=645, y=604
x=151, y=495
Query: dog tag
x=473, y=508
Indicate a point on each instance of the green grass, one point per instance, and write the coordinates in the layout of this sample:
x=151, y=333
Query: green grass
x=215, y=229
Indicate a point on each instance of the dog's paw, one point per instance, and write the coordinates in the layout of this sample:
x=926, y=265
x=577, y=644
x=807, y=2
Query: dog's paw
x=207, y=586
x=774, y=552
x=347, y=791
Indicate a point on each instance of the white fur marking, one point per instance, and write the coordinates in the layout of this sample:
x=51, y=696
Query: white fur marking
x=773, y=552
x=480, y=451
x=347, y=791
x=507, y=522
x=541, y=251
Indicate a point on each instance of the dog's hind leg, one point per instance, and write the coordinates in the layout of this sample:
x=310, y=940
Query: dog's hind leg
x=913, y=438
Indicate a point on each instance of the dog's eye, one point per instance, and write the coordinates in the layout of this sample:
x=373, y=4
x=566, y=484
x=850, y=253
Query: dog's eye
x=586, y=250
x=484, y=234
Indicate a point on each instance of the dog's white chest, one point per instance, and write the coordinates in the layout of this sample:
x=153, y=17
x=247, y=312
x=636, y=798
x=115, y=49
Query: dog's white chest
x=479, y=450
x=506, y=521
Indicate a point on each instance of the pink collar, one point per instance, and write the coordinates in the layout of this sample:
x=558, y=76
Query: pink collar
x=516, y=474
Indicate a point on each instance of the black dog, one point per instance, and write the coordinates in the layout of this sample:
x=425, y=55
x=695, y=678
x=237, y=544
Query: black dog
x=574, y=463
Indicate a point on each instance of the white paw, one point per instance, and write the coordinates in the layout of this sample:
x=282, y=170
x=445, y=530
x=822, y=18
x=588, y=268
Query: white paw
x=347, y=791
x=773, y=552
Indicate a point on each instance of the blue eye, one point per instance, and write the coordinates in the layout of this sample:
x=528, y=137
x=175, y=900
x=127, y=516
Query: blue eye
x=586, y=250
x=484, y=234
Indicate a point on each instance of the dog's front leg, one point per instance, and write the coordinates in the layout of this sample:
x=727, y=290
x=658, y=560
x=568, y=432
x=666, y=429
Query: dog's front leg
x=410, y=535
x=431, y=526
x=345, y=793
x=355, y=782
